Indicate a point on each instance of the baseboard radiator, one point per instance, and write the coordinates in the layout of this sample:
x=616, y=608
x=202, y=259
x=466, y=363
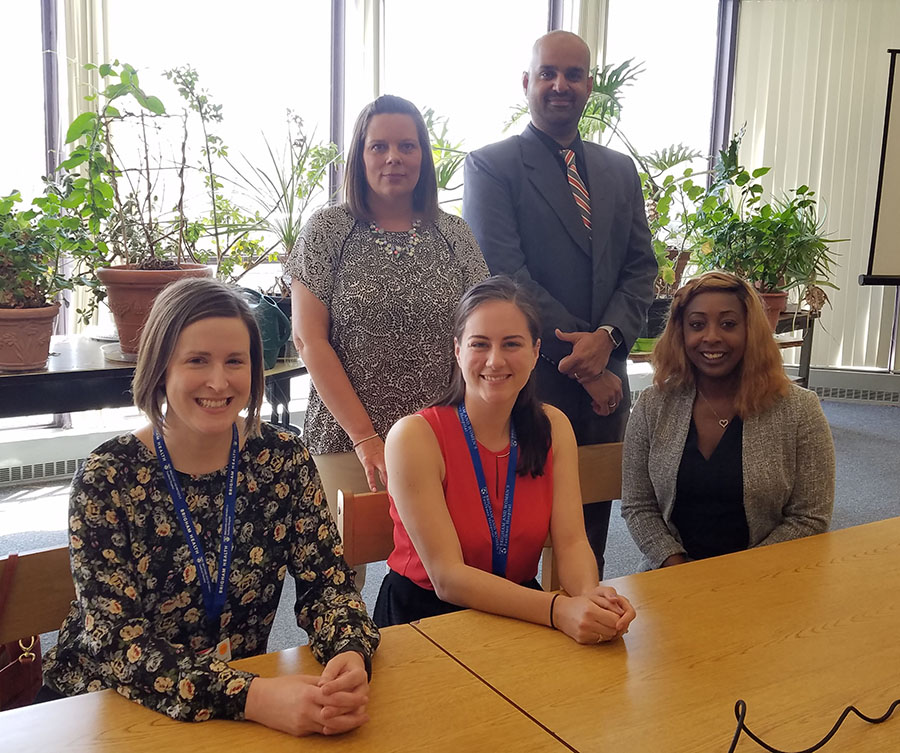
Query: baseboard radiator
x=845, y=393
x=882, y=397
x=50, y=471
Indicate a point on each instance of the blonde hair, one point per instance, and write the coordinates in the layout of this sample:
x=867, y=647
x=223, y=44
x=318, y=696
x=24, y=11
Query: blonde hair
x=178, y=306
x=762, y=377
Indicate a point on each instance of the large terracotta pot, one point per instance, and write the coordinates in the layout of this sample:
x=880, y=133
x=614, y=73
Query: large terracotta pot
x=25, y=337
x=774, y=304
x=132, y=292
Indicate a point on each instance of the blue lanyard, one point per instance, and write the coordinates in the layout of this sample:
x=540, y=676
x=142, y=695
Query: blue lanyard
x=213, y=595
x=500, y=544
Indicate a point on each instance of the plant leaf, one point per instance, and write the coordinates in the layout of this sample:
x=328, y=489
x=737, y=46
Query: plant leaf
x=154, y=105
x=80, y=126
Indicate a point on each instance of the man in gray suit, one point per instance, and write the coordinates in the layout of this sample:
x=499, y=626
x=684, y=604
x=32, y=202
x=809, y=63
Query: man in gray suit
x=566, y=219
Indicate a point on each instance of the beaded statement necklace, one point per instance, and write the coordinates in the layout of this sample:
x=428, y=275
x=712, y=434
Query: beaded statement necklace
x=397, y=248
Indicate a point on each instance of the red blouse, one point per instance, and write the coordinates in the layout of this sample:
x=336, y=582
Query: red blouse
x=532, y=504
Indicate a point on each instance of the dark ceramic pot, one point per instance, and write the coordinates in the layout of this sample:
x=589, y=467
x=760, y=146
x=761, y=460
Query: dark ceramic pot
x=657, y=316
x=274, y=326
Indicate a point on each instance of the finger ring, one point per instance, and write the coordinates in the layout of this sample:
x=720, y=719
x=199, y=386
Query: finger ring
x=600, y=639
x=612, y=404
x=575, y=374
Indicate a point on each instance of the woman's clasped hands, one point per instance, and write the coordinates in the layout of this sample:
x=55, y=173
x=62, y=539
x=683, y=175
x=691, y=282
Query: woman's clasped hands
x=598, y=615
x=301, y=705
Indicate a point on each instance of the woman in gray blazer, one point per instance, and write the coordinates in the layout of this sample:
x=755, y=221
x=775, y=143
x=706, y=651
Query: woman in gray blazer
x=723, y=452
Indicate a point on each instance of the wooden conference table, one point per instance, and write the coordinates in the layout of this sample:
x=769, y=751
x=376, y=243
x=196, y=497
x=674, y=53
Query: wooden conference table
x=798, y=630
x=80, y=377
x=421, y=699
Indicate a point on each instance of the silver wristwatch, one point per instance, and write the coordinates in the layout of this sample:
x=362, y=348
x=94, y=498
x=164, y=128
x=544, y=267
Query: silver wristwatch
x=613, y=333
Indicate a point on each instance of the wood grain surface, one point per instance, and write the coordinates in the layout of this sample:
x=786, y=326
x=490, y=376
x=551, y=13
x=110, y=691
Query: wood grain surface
x=798, y=630
x=420, y=700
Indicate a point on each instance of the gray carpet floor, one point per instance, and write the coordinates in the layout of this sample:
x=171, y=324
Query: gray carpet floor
x=867, y=446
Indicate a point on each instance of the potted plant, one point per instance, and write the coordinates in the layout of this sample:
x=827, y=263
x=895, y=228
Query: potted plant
x=33, y=243
x=281, y=193
x=778, y=246
x=669, y=198
x=144, y=240
x=141, y=241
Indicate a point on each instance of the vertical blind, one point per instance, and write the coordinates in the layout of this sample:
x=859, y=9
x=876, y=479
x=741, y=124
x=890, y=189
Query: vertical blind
x=811, y=84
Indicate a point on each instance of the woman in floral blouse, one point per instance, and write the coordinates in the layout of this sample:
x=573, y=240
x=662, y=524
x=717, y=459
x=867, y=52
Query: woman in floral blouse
x=147, y=516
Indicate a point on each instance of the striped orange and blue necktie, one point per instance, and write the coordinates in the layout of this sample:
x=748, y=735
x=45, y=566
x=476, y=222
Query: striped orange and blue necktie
x=582, y=198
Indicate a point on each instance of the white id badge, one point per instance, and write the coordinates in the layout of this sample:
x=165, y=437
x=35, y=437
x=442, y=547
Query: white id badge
x=223, y=650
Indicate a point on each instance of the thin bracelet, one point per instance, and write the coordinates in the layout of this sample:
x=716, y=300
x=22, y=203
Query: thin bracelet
x=552, y=602
x=365, y=439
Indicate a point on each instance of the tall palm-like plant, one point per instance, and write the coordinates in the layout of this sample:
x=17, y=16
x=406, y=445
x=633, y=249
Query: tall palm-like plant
x=283, y=191
x=603, y=108
x=448, y=156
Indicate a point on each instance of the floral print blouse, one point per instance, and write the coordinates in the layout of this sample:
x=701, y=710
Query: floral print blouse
x=137, y=624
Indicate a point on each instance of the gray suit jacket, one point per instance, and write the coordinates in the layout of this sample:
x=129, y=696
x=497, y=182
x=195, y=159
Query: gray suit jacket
x=788, y=467
x=520, y=208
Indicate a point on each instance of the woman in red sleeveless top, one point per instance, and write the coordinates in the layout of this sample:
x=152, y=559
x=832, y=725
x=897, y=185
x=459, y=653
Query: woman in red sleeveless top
x=478, y=480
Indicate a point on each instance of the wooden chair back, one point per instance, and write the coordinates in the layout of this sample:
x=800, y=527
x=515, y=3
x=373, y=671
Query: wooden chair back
x=41, y=595
x=364, y=522
x=600, y=472
x=600, y=475
x=366, y=528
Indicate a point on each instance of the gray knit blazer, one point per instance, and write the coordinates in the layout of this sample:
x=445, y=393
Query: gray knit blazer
x=788, y=467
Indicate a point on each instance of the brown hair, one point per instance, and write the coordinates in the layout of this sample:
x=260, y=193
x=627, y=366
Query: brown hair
x=356, y=187
x=178, y=306
x=762, y=377
x=532, y=424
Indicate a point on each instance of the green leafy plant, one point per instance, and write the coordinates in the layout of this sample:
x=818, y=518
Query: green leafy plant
x=603, y=109
x=121, y=203
x=221, y=235
x=34, y=244
x=115, y=215
x=669, y=199
x=779, y=245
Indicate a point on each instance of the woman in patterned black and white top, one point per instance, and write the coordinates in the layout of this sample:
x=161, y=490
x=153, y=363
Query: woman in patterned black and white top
x=375, y=283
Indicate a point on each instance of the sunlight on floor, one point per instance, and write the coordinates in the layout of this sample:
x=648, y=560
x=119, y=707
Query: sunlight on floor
x=36, y=508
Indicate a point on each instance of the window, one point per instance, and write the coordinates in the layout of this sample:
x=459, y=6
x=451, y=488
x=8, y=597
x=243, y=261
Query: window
x=464, y=61
x=256, y=63
x=671, y=101
x=22, y=125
